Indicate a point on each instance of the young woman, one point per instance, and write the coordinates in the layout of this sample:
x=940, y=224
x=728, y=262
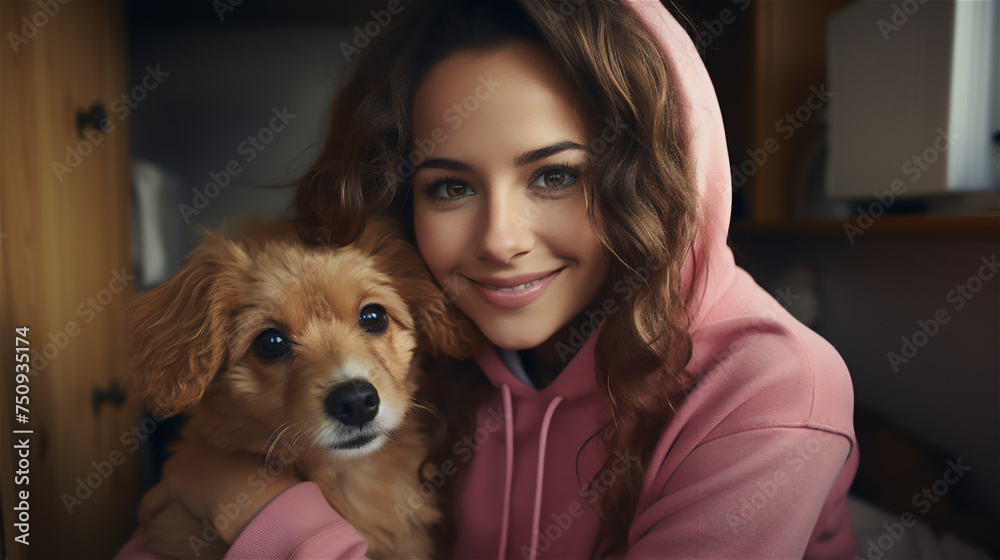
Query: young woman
x=562, y=168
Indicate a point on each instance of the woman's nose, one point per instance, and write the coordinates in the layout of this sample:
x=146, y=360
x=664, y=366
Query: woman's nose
x=507, y=229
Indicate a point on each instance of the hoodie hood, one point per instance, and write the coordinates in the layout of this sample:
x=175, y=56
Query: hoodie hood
x=708, y=158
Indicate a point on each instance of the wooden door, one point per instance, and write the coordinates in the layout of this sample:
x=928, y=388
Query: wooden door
x=64, y=247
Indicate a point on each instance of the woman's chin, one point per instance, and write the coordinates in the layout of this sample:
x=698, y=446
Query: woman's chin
x=516, y=336
x=515, y=342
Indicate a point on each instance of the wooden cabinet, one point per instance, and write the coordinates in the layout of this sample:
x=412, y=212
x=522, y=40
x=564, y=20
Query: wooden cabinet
x=66, y=275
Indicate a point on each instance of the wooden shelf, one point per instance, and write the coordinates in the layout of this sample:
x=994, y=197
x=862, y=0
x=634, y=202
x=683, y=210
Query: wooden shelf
x=986, y=224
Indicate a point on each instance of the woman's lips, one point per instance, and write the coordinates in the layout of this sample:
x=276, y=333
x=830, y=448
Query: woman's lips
x=514, y=296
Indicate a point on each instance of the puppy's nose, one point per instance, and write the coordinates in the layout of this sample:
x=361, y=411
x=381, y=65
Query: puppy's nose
x=354, y=403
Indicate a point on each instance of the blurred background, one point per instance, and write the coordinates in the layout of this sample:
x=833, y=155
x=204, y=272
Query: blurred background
x=864, y=149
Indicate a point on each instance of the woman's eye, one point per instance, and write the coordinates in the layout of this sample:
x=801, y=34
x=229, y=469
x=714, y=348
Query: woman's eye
x=556, y=179
x=373, y=318
x=450, y=189
x=271, y=345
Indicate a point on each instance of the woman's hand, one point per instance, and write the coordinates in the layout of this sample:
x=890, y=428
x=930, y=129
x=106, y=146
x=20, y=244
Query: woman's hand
x=227, y=490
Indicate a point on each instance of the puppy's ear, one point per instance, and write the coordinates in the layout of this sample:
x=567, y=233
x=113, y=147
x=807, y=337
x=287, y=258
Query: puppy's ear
x=177, y=332
x=443, y=328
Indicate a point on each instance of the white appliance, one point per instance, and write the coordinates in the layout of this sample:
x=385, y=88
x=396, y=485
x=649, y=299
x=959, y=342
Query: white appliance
x=915, y=107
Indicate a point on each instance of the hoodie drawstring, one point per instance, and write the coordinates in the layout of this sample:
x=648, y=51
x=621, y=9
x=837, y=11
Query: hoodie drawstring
x=508, y=420
x=538, y=479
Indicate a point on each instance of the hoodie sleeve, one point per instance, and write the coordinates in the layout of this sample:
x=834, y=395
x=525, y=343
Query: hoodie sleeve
x=751, y=494
x=297, y=524
x=759, y=459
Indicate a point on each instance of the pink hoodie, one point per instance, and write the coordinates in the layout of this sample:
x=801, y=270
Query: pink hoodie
x=756, y=463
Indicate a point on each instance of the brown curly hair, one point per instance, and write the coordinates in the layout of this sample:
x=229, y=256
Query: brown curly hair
x=640, y=198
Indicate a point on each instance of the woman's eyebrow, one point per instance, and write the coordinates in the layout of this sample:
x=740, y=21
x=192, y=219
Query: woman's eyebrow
x=542, y=153
x=443, y=163
x=521, y=160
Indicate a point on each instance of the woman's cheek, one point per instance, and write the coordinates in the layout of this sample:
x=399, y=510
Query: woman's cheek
x=436, y=240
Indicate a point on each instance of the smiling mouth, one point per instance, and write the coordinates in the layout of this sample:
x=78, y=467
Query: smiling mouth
x=515, y=288
x=524, y=286
x=357, y=442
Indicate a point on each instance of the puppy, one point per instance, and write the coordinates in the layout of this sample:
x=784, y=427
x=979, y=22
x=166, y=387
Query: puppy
x=282, y=348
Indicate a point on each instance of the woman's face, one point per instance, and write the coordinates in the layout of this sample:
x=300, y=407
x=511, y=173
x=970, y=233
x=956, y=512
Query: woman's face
x=499, y=207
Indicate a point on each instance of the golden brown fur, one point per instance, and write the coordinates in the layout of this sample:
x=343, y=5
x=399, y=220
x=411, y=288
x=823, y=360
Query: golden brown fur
x=192, y=348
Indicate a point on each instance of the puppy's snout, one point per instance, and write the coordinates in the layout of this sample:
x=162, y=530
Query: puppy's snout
x=354, y=403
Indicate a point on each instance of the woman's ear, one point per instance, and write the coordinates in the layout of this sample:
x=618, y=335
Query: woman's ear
x=176, y=333
x=439, y=325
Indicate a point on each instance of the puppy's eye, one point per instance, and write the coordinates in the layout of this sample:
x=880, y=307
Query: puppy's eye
x=271, y=344
x=373, y=318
